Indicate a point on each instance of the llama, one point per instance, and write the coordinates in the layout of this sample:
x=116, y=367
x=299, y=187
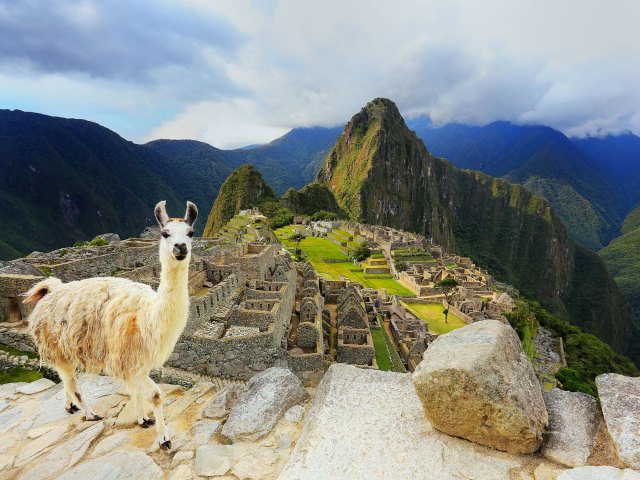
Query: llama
x=118, y=326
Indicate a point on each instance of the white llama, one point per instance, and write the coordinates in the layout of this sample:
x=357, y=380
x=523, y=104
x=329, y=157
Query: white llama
x=118, y=326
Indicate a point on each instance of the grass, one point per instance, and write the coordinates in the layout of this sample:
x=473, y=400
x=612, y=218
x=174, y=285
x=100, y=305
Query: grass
x=13, y=351
x=316, y=249
x=528, y=344
x=432, y=314
x=19, y=374
x=382, y=352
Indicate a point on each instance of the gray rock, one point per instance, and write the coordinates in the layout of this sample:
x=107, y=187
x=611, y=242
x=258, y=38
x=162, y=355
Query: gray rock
x=9, y=419
x=37, y=446
x=115, y=441
x=620, y=400
x=116, y=466
x=294, y=414
x=65, y=456
x=357, y=415
x=572, y=427
x=213, y=460
x=203, y=430
x=267, y=396
x=110, y=237
x=599, y=473
x=223, y=401
x=35, y=387
x=8, y=390
x=476, y=383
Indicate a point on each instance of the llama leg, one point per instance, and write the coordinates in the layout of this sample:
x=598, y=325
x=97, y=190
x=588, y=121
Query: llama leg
x=152, y=393
x=74, y=398
x=137, y=396
x=67, y=374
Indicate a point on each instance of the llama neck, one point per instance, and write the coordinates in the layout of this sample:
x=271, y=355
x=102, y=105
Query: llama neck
x=172, y=305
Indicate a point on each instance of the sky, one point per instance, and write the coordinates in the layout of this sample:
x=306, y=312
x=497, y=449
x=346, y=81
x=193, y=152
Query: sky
x=234, y=73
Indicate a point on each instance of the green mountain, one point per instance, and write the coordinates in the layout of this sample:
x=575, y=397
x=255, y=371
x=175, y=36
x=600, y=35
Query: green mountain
x=243, y=189
x=292, y=160
x=619, y=156
x=579, y=188
x=193, y=167
x=381, y=173
x=66, y=180
x=622, y=257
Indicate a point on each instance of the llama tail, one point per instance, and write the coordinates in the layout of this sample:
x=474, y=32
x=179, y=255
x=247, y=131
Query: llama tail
x=40, y=289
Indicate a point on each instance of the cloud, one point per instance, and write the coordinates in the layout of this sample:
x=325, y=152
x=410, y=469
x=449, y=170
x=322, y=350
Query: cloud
x=233, y=73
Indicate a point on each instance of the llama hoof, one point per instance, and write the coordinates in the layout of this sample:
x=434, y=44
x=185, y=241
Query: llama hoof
x=147, y=422
x=93, y=418
x=71, y=409
x=166, y=445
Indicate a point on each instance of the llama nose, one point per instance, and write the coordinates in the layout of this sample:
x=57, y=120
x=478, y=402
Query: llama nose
x=180, y=248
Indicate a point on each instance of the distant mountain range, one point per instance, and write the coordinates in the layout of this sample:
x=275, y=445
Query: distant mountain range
x=65, y=180
x=588, y=183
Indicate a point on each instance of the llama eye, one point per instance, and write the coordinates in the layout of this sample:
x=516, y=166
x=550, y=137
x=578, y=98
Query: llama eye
x=165, y=234
x=190, y=234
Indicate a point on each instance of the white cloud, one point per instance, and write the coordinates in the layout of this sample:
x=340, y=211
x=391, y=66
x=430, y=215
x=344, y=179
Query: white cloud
x=234, y=73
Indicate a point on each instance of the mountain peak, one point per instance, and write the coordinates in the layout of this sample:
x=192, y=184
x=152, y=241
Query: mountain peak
x=242, y=189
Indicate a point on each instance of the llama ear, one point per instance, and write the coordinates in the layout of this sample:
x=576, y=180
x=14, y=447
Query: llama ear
x=161, y=213
x=191, y=213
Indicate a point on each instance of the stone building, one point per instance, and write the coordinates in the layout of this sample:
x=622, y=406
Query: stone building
x=355, y=344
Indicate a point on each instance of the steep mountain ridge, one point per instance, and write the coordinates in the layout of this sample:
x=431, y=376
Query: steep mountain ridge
x=545, y=161
x=380, y=172
x=65, y=180
x=622, y=257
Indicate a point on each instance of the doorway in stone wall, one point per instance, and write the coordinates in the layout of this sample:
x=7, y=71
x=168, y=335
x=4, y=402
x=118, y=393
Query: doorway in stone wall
x=13, y=313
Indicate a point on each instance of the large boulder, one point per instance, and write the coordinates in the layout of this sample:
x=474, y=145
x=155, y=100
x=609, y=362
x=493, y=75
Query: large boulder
x=365, y=424
x=223, y=401
x=620, y=400
x=267, y=396
x=573, y=420
x=476, y=383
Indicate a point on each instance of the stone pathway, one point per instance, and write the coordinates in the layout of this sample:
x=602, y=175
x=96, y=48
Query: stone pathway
x=39, y=440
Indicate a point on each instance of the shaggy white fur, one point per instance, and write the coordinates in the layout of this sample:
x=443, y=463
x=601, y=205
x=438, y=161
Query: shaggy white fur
x=117, y=326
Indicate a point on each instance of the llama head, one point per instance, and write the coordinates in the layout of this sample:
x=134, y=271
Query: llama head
x=175, y=243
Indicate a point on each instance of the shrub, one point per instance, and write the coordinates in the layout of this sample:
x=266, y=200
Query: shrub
x=362, y=253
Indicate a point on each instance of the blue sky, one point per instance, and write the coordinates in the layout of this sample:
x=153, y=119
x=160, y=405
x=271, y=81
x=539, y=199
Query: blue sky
x=233, y=73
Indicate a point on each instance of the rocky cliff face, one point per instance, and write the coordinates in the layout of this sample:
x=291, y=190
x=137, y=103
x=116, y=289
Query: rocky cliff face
x=381, y=173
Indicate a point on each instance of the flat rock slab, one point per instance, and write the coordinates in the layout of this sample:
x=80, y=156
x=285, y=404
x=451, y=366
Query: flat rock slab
x=620, y=400
x=35, y=387
x=476, y=383
x=10, y=418
x=116, y=466
x=65, y=456
x=366, y=424
x=599, y=473
x=267, y=396
x=573, y=420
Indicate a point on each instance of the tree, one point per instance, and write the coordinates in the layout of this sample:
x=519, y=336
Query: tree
x=297, y=237
x=362, y=253
x=448, y=286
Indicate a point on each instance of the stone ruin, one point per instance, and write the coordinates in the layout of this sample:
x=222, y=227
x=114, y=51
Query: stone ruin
x=242, y=299
x=355, y=345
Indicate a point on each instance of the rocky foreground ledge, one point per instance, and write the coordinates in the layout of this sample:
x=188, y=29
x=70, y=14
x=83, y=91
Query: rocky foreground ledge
x=360, y=424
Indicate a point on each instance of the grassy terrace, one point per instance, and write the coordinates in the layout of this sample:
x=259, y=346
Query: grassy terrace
x=432, y=314
x=317, y=249
x=382, y=352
